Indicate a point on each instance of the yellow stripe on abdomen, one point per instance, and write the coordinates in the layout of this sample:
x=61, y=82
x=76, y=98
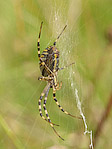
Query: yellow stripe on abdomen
x=55, y=62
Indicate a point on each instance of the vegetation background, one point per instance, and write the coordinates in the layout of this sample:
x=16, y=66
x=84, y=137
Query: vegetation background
x=87, y=41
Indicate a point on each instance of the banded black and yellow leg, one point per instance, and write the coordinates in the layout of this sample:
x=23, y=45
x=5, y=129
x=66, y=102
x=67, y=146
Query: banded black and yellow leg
x=38, y=42
x=60, y=107
x=44, y=106
x=39, y=102
x=45, y=78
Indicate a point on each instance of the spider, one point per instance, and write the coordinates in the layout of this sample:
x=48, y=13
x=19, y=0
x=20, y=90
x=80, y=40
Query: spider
x=49, y=67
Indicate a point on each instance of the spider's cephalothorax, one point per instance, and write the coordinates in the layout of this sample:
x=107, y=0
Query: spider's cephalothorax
x=49, y=66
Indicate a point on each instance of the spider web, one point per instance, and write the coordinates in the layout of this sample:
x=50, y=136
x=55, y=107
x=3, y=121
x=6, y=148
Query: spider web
x=81, y=92
x=70, y=82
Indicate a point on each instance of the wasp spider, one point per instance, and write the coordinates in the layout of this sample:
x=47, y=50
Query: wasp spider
x=49, y=66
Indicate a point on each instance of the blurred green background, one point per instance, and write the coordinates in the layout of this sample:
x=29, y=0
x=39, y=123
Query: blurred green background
x=87, y=41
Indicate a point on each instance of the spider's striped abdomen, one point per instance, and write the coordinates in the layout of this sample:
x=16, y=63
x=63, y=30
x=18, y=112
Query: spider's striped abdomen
x=50, y=57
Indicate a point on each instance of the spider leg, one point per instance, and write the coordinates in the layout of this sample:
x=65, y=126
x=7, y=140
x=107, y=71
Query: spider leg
x=59, y=35
x=60, y=107
x=38, y=42
x=40, y=110
x=65, y=66
x=45, y=78
x=56, y=131
x=39, y=102
x=44, y=106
